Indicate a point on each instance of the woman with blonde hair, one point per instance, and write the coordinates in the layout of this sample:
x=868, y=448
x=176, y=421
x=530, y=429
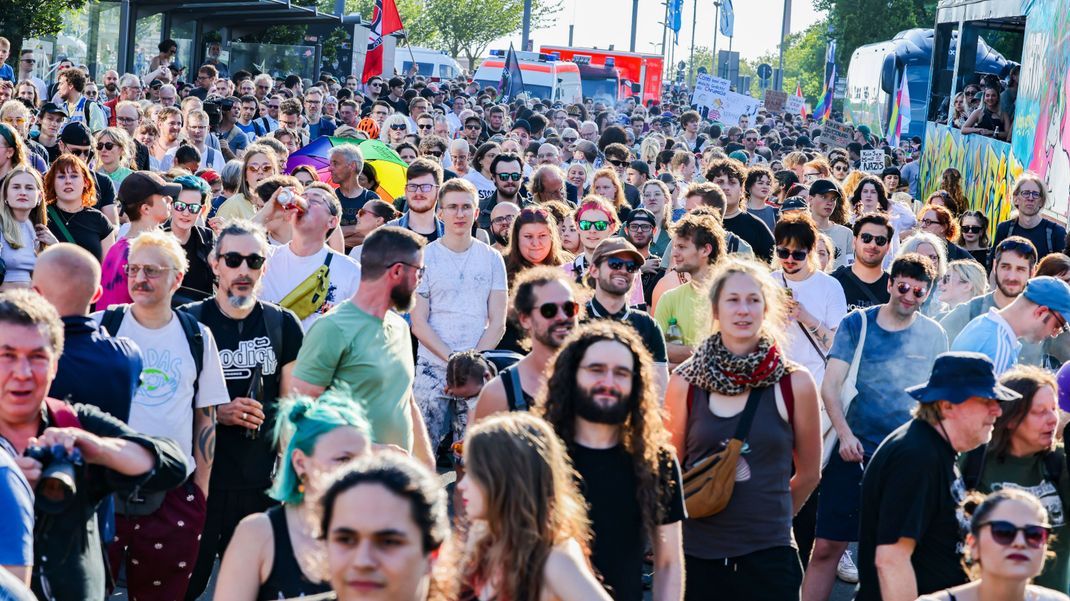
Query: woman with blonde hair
x=258, y=164
x=394, y=130
x=13, y=151
x=658, y=200
x=964, y=280
x=529, y=537
x=25, y=225
x=795, y=161
x=115, y=154
x=606, y=184
x=70, y=192
x=740, y=369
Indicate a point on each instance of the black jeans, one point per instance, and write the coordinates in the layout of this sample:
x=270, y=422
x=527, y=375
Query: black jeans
x=768, y=575
x=225, y=509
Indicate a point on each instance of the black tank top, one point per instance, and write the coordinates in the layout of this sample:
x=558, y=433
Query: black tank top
x=286, y=579
x=515, y=396
x=988, y=120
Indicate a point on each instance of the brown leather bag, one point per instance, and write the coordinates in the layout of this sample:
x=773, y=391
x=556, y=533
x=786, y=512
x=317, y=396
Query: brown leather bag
x=709, y=483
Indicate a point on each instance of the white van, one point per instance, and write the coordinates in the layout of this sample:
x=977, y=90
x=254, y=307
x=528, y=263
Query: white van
x=544, y=78
x=432, y=64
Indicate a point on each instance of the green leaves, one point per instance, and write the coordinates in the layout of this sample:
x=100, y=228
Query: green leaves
x=860, y=22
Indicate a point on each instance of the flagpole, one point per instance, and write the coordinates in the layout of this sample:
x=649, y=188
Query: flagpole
x=691, y=60
x=716, y=26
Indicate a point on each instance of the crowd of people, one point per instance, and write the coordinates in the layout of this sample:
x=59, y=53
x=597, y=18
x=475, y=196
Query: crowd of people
x=663, y=356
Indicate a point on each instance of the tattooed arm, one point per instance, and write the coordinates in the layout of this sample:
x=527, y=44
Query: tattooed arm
x=203, y=446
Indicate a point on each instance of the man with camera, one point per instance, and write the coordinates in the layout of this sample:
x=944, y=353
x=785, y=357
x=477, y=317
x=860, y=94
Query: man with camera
x=74, y=457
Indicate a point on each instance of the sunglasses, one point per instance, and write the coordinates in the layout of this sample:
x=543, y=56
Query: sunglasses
x=866, y=238
x=234, y=260
x=550, y=310
x=1004, y=533
x=189, y=207
x=106, y=146
x=510, y=176
x=81, y=152
x=398, y=126
x=260, y=169
x=617, y=163
x=427, y=127
x=600, y=226
x=796, y=255
x=569, y=140
x=151, y=271
x=919, y=291
x=971, y=229
x=618, y=264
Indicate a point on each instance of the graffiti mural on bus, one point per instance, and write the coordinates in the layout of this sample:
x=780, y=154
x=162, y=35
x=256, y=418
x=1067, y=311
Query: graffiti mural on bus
x=1041, y=138
x=988, y=168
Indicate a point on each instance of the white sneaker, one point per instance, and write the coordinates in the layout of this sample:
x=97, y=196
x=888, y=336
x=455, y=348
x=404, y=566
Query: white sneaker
x=846, y=570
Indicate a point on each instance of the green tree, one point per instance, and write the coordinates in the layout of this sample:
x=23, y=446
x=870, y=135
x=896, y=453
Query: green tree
x=466, y=27
x=20, y=19
x=704, y=58
x=859, y=22
x=804, y=60
x=413, y=15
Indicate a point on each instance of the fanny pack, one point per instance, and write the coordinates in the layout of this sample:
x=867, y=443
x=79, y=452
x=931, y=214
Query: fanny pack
x=309, y=296
x=709, y=483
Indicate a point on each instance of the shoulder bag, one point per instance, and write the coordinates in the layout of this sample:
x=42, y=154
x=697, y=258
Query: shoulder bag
x=848, y=392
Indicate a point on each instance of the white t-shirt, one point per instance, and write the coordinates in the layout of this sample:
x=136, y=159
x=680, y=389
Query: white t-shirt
x=484, y=185
x=163, y=404
x=210, y=159
x=285, y=271
x=843, y=238
x=822, y=296
x=456, y=287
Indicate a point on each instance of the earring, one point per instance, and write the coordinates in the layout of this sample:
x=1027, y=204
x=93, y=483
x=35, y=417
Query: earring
x=301, y=484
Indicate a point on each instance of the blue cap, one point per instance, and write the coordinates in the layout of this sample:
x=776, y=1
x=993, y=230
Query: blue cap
x=958, y=376
x=1049, y=292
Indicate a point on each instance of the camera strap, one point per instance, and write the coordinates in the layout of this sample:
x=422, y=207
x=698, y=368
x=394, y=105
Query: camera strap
x=62, y=414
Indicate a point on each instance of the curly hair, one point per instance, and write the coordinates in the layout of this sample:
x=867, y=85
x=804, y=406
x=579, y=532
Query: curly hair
x=643, y=432
x=878, y=185
x=533, y=504
x=69, y=162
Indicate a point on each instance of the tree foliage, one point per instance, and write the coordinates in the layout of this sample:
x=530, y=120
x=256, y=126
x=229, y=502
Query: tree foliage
x=704, y=58
x=804, y=60
x=466, y=27
x=20, y=19
x=859, y=22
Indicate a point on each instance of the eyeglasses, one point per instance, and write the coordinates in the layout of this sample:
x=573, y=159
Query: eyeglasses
x=127, y=120
x=473, y=126
x=420, y=269
x=1005, y=533
x=600, y=226
x=1060, y=323
x=503, y=219
x=106, y=146
x=617, y=163
x=510, y=176
x=930, y=222
x=866, y=238
x=1034, y=194
x=425, y=188
x=618, y=264
x=796, y=255
x=640, y=227
x=465, y=210
x=188, y=207
x=434, y=153
x=750, y=139
x=919, y=291
x=971, y=229
x=234, y=260
x=151, y=271
x=550, y=310
x=398, y=126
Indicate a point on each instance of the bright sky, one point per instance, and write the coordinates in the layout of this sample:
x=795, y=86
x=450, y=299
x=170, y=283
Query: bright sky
x=757, y=25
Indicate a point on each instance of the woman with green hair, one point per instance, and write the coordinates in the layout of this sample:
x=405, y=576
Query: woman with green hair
x=187, y=208
x=276, y=554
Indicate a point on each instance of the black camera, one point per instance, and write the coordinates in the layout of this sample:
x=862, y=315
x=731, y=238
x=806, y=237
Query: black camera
x=59, y=476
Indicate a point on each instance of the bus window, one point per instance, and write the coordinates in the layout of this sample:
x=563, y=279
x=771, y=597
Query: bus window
x=999, y=50
x=943, y=73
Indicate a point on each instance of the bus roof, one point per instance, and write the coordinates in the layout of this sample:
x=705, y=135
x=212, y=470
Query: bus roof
x=952, y=11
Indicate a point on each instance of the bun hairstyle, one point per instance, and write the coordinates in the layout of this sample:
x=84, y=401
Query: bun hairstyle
x=978, y=508
x=301, y=422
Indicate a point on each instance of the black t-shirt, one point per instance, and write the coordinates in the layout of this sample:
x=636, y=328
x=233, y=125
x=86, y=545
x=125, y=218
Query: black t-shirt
x=859, y=294
x=1048, y=236
x=901, y=501
x=350, y=206
x=754, y=231
x=242, y=463
x=400, y=105
x=609, y=484
x=87, y=227
x=645, y=325
x=199, y=280
x=105, y=190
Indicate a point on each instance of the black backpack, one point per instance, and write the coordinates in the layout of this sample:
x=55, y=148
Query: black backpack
x=113, y=319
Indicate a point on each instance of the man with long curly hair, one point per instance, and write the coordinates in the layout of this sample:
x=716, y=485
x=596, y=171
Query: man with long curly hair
x=600, y=399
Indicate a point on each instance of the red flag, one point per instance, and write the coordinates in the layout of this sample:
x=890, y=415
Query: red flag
x=385, y=21
x=799, y=93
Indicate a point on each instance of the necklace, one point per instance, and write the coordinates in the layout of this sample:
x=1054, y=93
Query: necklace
x=464, y=264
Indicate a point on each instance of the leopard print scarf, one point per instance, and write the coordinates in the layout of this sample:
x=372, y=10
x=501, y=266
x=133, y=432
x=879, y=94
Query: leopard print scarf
x=716, y=369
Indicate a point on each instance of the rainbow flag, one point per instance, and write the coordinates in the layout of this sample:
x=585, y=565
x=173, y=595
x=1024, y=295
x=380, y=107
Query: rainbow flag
x=824, y=110
x=900, y=117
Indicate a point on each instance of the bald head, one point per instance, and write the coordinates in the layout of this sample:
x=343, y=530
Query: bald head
x=68, y=277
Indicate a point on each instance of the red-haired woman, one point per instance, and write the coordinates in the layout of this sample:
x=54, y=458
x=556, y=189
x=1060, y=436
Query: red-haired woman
x=70, y=192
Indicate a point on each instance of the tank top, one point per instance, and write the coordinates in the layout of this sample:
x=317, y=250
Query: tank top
x=515, y=396
x=286, y=579
x=988, y=120
x=759, y=514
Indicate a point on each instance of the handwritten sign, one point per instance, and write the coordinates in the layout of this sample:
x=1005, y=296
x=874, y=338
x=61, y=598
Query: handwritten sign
x=872, y=161
x=774, y=101
x=794, y=104
x=709, y=90
x=836, y=134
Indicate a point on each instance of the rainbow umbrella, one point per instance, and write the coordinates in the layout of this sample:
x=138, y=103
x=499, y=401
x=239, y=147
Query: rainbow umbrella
x=389, y=168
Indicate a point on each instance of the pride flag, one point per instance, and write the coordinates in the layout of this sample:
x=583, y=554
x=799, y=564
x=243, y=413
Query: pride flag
x=824, y=110
x=799, y=93
x=900, y=117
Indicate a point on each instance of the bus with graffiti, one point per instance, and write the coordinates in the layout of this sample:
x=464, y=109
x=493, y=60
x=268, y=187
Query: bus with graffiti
x=1036, y=35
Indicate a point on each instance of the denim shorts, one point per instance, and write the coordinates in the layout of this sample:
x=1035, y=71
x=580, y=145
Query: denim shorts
x=840, y=502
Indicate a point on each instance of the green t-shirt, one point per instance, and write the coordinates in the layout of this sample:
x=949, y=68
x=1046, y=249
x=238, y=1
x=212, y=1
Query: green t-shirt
x=1029, y=474
x=373, y=357
x=690, y=305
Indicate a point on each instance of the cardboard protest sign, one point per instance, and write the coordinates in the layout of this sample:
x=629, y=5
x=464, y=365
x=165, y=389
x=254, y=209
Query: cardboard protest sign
x=872, y=161
x=774, y=101
x=836, y=134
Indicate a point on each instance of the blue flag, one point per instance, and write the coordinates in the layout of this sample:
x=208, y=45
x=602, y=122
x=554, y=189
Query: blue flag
x=676, y=8
x=728, y=19
x=512, y=83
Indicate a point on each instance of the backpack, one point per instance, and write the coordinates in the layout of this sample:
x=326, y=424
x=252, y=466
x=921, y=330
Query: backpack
x=113, y=319
x=1054, y=466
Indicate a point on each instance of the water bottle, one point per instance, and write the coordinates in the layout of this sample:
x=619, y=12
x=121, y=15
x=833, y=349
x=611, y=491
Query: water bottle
x=256, y=390
x=674, y=335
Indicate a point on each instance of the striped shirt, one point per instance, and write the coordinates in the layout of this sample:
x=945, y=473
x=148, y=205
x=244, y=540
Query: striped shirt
x=992, y=336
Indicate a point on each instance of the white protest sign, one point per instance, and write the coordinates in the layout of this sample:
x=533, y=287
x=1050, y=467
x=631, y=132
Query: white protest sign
x=872, y=161
x=709, y=90
x=733, y=107
x=794, y=104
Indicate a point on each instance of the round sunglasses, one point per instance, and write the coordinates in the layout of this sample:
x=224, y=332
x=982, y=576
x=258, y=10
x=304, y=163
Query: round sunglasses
x=550, y=310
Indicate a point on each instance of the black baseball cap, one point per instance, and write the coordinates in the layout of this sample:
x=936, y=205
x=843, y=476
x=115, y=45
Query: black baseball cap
x=641, y=214
x=76, y=134
x=795, y=203
x=824, y=186
x=143, y=184
x=53, y=108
